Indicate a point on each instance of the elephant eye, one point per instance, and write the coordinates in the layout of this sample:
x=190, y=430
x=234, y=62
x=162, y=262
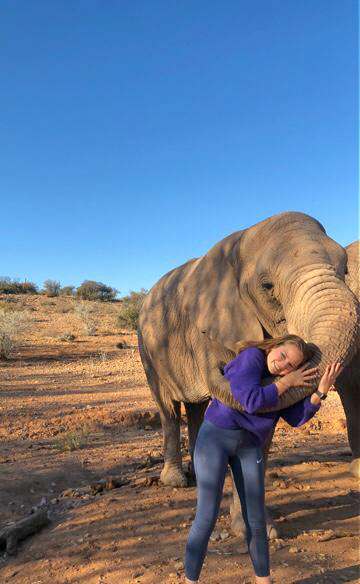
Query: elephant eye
x=267, y=285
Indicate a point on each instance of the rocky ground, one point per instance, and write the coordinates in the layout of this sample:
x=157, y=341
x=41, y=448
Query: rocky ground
x=75, y=413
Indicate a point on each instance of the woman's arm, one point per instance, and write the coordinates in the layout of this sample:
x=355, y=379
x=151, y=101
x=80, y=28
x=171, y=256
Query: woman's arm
x=301, y=412
x=327, y=381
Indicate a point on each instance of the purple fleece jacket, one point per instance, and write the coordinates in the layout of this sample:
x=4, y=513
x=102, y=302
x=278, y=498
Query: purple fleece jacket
x=244, y=374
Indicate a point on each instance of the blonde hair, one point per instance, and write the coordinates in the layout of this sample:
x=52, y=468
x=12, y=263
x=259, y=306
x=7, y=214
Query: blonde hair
x=268, y=344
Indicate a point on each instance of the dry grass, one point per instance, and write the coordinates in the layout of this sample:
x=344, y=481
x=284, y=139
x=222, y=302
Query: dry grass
x=13, y=324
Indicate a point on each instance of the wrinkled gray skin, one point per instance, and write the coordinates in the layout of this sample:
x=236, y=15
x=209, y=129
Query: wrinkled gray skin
x=281, y=275
x=348, y=384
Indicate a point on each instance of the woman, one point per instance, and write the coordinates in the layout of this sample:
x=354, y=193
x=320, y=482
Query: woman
x=228, y=436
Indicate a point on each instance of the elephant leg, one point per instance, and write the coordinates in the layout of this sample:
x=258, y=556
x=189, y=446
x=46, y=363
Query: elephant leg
x=195, y=415
x=350, y=399
x=172, y=473
x=237, y=522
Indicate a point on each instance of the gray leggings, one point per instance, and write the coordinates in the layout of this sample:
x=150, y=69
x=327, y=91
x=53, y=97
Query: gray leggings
x=216, y=448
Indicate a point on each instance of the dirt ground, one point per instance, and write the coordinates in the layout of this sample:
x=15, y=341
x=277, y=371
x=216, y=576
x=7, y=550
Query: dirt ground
x=76, y=412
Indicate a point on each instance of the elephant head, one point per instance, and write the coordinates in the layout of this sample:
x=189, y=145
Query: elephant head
x=282, y=275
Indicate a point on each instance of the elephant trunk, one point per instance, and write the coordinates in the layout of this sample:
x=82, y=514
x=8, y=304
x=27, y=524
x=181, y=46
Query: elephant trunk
x=326, y=314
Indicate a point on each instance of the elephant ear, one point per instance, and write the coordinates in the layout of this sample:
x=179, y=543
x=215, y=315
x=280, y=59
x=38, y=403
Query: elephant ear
x=212, y=298
x=352, y=276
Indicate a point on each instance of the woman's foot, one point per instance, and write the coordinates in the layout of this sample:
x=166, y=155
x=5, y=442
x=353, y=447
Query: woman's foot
x=262, y=580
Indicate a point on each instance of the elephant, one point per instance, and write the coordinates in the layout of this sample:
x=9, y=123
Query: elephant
x=282, y=275
x=348, y=384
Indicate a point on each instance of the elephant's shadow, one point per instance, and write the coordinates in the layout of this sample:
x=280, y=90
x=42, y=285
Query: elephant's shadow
x=348, y=574
x=342, y=507
x=323, y=454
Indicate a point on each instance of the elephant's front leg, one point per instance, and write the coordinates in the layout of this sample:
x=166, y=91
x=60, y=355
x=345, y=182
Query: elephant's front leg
x=195, y=416
x=237, y=521
x=350, y=399
x=172, y=473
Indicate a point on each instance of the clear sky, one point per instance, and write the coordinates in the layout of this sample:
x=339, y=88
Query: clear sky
x=135, y=134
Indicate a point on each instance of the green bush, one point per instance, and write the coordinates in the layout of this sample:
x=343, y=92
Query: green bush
x=91, y=290
x=72, y=440
x=51, y=288
x=9, y=286
x=130, y=308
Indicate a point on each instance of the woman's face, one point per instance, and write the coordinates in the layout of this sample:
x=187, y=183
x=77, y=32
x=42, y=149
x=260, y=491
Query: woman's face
x=284, y=359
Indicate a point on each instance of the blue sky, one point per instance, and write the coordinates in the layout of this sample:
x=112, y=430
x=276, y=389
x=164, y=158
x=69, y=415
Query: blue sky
x=136, y=134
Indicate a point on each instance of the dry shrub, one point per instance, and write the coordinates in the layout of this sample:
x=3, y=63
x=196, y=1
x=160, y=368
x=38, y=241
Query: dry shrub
x=12, y=325
x=67, y=291
x=9, y=286
x=51, y=288
x=72, y=440
x=7, y=306
x=48, y=303
x=130, y=308
x=85, y=313
x=64, y=307
x=66, y=336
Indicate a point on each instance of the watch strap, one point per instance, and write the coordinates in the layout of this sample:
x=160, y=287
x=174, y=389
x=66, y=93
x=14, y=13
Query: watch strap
x=320, y=394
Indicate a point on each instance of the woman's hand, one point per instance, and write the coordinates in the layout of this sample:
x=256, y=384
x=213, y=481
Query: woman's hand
x=331, y=373
x=301, y=377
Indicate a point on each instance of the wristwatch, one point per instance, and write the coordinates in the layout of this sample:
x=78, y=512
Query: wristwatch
x=320, y=394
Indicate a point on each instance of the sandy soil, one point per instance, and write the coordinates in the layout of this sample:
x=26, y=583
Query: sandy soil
x=75, y=412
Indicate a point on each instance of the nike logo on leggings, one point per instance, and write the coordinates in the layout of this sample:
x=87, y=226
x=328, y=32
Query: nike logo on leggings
x=259, y=460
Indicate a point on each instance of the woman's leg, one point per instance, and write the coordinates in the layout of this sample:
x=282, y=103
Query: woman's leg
x=248, y=471
x=210, y=462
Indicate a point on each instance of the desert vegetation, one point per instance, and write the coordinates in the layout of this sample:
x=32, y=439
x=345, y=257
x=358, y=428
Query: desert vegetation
x=130, y=309
x=51, y=288
x=13, y=286
x=79, y=307
x=13, y=324
x=88, y=289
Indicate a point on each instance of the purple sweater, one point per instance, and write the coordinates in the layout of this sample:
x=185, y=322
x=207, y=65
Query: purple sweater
x=244, y=374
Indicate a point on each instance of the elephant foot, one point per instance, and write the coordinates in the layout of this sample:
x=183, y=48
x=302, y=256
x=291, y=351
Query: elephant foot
x=355, y=468
x=190, y=474
x=270, y=526
x=173, y=476
x=238, y=526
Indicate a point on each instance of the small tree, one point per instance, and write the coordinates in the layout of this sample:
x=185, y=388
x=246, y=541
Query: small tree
x=67, y=291
x=91, y=290
x=130, y=309
x=51, y=288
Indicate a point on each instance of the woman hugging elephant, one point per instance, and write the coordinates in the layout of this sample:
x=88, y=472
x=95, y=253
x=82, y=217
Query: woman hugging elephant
x=282, y=276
